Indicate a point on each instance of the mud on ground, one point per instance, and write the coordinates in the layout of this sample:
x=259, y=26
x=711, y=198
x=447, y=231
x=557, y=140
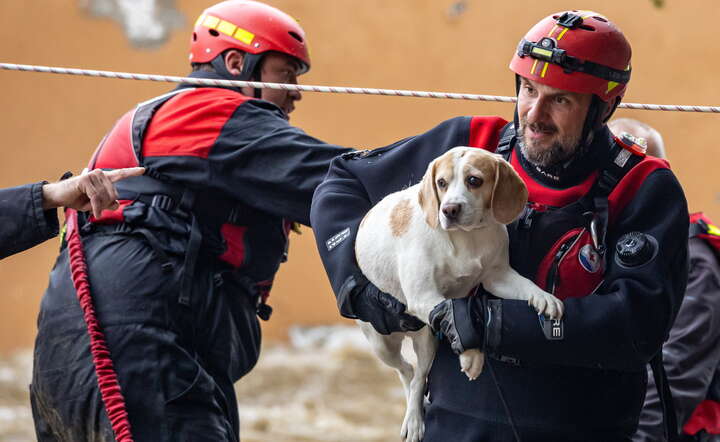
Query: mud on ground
x=324, y=385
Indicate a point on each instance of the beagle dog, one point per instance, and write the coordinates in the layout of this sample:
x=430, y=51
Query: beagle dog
x=437, y=240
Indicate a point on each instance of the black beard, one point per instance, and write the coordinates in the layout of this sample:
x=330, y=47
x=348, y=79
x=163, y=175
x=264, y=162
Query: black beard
x=553, y=157
x=567, y=170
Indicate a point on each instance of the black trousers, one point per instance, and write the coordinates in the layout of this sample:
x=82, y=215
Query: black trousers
x=547, y=403
x=176, y=364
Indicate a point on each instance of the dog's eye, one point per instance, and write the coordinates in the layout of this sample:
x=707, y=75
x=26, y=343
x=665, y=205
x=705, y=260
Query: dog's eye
x=474, y=181
x=441, y=183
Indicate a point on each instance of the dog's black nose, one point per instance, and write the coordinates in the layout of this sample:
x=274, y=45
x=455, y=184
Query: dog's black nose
x=451, y=211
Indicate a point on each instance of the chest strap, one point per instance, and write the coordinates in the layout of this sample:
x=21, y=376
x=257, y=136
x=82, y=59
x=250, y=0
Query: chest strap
x=621, y=161
x=506, y=142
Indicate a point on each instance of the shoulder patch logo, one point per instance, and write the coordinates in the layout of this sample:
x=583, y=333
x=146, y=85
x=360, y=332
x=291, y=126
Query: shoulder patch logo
x=337, y=238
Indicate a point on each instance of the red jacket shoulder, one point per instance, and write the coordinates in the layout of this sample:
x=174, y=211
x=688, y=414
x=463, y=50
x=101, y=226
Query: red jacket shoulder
x=485, y=132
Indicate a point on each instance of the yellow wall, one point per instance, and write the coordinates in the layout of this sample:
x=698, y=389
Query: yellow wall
x=52, y=123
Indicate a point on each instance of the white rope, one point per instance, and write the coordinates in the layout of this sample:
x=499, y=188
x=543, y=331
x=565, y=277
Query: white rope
x=324, y=89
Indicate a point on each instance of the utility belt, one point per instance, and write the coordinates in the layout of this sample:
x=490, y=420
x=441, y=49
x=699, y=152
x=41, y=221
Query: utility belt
x=186, y=202
x=178, y=221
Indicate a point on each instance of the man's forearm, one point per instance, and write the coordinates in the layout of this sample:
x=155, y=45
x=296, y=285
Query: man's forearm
x=25, y=223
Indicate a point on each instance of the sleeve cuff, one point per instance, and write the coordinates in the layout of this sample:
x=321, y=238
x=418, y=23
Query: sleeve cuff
x=46, y=221
x=343, y=298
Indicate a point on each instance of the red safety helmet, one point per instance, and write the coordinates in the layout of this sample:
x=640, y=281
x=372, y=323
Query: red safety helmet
x=577, y=51
x=249, y=26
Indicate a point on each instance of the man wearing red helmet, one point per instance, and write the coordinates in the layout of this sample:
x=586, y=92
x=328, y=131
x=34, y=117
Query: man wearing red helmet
x=604, y=230
x=181, y=270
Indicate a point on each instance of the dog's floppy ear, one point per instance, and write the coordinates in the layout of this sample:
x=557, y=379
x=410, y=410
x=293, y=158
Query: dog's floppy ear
x=428, y=196
x=509, y=193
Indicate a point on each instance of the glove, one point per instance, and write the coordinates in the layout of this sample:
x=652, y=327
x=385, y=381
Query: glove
x=461, y=321
x=383, y=311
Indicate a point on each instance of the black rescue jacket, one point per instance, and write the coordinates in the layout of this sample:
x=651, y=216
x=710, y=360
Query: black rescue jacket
x=583, y=378
x=225, y=172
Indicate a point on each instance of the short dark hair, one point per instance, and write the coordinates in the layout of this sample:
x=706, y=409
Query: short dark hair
x=205, y=67
x=208, y=67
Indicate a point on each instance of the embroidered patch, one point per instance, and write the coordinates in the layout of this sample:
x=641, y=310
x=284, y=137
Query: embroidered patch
x=589, y=258
x=336, y=239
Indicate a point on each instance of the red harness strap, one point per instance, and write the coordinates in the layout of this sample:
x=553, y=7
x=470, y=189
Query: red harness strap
x=107, y=378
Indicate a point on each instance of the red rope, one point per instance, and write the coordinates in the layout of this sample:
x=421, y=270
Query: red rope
x=107, y=379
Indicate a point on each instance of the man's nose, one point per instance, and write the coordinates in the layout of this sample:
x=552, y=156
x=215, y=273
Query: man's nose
x=295, y=95
x=451, y=210
x=537, y=111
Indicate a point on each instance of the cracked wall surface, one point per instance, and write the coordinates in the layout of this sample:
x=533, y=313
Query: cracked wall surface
x=146, y=23
x=53, y=123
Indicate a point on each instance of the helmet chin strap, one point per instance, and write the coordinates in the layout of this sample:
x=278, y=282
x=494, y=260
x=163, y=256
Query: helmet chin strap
x=250, y=69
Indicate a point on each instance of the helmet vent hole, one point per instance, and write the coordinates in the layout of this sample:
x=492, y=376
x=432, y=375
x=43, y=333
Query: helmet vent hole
x=213, y=32
x=296, y=36
x=194, y=36
x=555, y=17
x=586, y=27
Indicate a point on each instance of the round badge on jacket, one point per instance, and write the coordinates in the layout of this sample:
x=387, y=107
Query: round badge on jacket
x=589, y=258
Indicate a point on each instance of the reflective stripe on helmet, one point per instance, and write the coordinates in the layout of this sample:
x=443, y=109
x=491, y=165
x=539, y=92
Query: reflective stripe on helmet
x=226, y=28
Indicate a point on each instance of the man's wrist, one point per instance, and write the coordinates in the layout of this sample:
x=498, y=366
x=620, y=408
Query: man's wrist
x=49, y=196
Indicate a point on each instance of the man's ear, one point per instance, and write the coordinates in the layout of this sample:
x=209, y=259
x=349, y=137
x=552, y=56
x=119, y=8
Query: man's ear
x=610, y=109
x=428, y=197
x=234, y=60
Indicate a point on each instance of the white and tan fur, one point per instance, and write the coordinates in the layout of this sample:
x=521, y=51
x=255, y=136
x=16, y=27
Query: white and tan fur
x=427, y=243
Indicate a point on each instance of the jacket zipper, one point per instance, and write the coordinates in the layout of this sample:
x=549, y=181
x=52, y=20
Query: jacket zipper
x=552, y=282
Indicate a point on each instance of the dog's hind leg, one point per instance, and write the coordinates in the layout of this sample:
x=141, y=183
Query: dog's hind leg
x=425, y=346
x=387, y=348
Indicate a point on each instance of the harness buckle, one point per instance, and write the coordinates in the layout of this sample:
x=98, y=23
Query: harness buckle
x=163, y=202
x=701, y=222
x=234, y=216
x=264, y=311
x=594, y=232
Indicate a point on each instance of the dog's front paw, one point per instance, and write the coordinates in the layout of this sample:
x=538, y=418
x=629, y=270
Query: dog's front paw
x=547, y=304
x=413, y=427
x=472, y=362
